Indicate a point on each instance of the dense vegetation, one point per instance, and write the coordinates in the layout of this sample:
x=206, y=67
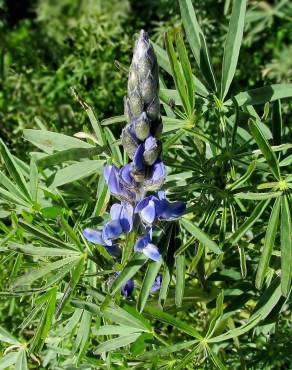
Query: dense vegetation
x=217, y=291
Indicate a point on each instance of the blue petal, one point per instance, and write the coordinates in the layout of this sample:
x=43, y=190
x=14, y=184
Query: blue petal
x=115, y=211
x=142, y=204
x=150, y=143
x=138, y=158
x=111, y=230
x=148, y=213
x=159, y=172
x=161, y=194
x=126, y=217
x=106, y=172
x=152, y=252
x=113, y=182
x=140, y=244
x=126, y=177
x=127, y=288
x=170, y=211
x=93, y=236
x=157, y=284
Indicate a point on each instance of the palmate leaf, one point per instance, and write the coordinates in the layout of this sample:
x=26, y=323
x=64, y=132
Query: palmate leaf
x=232, y=45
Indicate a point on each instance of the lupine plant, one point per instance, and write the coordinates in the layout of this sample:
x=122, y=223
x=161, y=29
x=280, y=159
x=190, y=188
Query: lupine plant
x=189, y=264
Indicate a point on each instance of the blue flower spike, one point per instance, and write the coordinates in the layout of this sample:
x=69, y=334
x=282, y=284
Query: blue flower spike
x=138, y=211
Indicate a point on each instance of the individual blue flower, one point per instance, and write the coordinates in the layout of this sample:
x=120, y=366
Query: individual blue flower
x=145, y=245
x=95, y=237
x=153, y=207
x=157, y=284
x=156, y=176
x=116, y=185
x=128, y=288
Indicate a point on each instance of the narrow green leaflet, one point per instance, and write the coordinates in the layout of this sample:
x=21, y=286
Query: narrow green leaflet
x=129, y=271
x=178, y=76
x=164, y=351
x=149, y=278
x=257, y=212
x=8, y=360
x=33, y=250
x=73, y=154
x=6, y=337
x=49, y=141
x=238, y=331
x=265, y=148
x=45, y=322
x=200, y=235
x=197, y=41
x=13, y=169
x=76, y=171
x=163, y=62
x=83, y=333
x=115, y=343
x=44, y=236
x=33, y=181
x=268, y=300
x=171, y=320
x=277, y=123
x=180, y=279
x=286, y=246
x=187, y=70
x=268, y=243
x=38, y=273
x=12, y=188
x=21, y=362
x=262, y=95
x=232, y=45
x=115, y=150
x=116, y=330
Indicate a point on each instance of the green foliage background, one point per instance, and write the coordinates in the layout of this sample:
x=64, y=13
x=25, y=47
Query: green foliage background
x=46, y=47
